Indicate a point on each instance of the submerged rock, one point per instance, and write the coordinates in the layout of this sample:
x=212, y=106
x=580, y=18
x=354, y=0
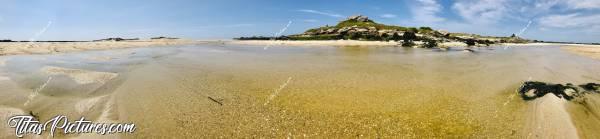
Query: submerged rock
x=594, y=87
x=533, y=89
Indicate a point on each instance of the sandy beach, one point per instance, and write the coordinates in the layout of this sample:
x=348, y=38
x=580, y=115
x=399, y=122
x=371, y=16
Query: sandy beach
x=592, y=51
x=410, y=69
x=24, y=48
x=249, y=91
x=313, y=43
x=320, y=91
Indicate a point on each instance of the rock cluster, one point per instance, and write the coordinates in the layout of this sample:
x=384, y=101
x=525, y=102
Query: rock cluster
x=161, y=37
x=117, y=39
x=359, y=18
x=533, y=89
x=354, y=30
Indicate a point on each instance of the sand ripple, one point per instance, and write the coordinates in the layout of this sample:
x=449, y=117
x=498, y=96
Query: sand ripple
x=81, y=76
x=550, y=119
x=87, y=104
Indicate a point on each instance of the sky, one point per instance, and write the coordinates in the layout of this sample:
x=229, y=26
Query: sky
x=549, y=20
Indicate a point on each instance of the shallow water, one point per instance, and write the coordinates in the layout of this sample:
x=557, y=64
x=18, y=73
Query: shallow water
x=249, y=91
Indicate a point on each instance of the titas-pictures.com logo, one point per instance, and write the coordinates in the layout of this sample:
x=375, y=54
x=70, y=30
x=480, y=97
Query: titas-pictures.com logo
x=26, y=124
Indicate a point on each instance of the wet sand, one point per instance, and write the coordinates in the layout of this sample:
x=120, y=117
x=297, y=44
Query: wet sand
x=313, y=43
x=592, y=51
x=548, y=118
x=231, y=91
x=27, y=48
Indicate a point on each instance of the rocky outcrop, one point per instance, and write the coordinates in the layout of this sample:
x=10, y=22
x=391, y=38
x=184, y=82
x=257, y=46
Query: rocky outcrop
x=161, y=37
x=359, y=18
x=117, y=39
x=533, y=89
x=360, y=27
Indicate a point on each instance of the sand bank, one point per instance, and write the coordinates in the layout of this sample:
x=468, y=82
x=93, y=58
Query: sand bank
x=81, y=76
x=592, y=51
x=24, y=48
x=550, y=119
x=20, y=48
x=313, y=43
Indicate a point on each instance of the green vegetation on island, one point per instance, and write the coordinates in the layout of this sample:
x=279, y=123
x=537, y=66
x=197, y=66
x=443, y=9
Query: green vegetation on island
x=362, y=28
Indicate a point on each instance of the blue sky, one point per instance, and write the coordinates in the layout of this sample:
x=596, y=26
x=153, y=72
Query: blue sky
x=556, y=20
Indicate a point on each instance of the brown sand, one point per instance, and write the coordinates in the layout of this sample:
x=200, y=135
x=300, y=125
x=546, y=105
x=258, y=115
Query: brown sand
x=313, y=43
x=21, y=48
x=6, y=113
x=592, y=51
x=338, y=92
x=586, y=115
x=549, y=119
x=81, y=76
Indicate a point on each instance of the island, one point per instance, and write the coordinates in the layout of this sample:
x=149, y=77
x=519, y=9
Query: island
x=362, y=28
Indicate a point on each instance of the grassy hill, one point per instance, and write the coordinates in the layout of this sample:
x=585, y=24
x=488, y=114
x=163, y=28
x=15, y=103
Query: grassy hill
x=362, y=28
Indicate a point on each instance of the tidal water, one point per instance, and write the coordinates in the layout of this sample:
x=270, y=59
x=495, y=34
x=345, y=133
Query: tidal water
x=250, y=91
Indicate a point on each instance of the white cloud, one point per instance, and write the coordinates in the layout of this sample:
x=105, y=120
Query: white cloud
x=574, y=20
x=321, y=13
x=551, y=17
x=483, y=11
x=584, y=4
x=388, y=16
x=426, y=11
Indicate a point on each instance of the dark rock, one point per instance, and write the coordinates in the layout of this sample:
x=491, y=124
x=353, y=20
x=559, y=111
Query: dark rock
x=430, y=43
x=161, y=37
x=591, y=87
x=117, y=39
x=533, y=89
x=470, y=42
x=470, y=50
x=409, y=36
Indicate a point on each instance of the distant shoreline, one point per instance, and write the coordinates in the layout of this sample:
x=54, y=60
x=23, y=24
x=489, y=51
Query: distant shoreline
x=50, y=47
x=373, y=43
